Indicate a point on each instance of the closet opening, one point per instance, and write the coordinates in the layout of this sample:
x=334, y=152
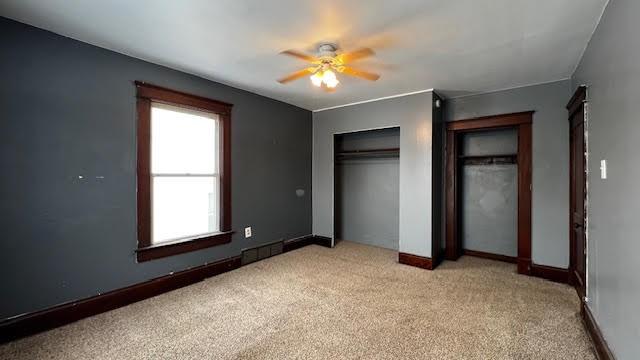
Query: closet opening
x=488, y=188
x=367, y=187
x=488, y=191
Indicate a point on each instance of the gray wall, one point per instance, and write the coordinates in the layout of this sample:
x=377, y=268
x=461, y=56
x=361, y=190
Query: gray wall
x=413, y=114
x=611, y=69
x=493, y=142
x=489, y=194
x=550, y=230
x=367, y=190
x=68, y=109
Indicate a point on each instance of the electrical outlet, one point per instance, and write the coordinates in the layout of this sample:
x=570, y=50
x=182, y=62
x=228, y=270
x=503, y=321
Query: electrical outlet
x=247, y=232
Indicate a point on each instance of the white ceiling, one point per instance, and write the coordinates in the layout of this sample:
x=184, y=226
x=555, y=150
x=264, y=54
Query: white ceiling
x=455, y=46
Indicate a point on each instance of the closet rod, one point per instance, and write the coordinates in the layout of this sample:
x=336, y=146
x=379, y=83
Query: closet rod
x=370, y=152
x=489, y=160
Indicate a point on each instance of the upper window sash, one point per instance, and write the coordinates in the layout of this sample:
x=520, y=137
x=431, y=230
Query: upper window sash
x=184, y=141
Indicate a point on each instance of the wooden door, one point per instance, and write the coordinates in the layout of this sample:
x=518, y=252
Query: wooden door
x=578, y=244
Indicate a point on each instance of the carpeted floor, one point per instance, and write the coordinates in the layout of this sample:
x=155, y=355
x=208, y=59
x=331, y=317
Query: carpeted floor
x=351, y=302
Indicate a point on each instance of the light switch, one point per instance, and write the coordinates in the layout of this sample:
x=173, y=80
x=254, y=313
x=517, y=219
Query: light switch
x=603, y=169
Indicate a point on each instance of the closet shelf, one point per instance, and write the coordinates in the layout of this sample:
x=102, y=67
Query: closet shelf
x=369, y=153
x=489, y=159
x=484, y=156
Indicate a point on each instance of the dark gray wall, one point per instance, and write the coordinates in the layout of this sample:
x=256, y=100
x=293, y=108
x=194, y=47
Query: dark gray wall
x=68, y=109
x=550, y=188
x=367, y=190
x=611, y=68
x=489, y=194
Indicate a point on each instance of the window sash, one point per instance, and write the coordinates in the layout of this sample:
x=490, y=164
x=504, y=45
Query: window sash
x=216, y=208
x=211, y=116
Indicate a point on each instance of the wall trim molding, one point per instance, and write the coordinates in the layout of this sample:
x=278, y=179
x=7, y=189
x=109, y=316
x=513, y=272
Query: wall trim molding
x=509, y=88
x=551, y=273
x=373, y=100
x=422, y=262
x=602, y=350
x=34, y=322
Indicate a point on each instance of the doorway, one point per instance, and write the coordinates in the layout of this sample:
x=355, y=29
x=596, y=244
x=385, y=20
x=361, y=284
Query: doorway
x=577, y=193
x=521, y=123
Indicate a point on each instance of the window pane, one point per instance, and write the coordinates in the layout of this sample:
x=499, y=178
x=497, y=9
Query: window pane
x=183, y=141
x=184, y=207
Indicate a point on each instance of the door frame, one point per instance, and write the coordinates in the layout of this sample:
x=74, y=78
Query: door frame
x=522, y=122
x=575, y=105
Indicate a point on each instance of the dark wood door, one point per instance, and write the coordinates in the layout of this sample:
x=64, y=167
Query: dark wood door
x=577, y=194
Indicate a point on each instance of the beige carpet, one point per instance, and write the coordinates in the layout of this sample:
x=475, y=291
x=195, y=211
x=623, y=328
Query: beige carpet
x=351, y=302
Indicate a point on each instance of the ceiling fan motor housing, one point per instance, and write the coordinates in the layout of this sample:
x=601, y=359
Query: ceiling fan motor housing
x=327, y=50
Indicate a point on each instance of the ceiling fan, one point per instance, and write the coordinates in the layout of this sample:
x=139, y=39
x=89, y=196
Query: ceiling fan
x=324, y=66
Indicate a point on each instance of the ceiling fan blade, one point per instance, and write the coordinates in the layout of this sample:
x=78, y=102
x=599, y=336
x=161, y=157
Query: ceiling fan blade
x=296, y=75
x=347, y=70
x=300, y=55
x=355, y=55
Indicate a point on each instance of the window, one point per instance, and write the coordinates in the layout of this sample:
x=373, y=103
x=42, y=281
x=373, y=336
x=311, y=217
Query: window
x=183, y=172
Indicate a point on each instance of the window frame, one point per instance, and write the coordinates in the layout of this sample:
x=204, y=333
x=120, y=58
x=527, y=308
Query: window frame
x=146, y=95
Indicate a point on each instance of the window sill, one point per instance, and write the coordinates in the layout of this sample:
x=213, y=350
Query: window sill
x=179, y=247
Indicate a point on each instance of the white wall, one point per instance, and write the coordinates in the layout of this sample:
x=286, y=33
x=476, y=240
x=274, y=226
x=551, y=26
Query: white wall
x=413, y=114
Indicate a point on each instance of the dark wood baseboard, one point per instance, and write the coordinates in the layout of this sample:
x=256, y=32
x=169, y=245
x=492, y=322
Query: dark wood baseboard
x=303, y=241
x=322, y=240
x=524, y=266
x=550, y=273
x=32, y=323
x=415, y=260
x=297, y=243
x=602, y=350
x=63, y=314
x=486, y=255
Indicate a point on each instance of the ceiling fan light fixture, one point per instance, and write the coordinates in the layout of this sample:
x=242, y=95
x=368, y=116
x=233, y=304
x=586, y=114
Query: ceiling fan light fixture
x=326, y=77
x=329, y=77
x=332, y=83
x=322, y=73
x=316, y=79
